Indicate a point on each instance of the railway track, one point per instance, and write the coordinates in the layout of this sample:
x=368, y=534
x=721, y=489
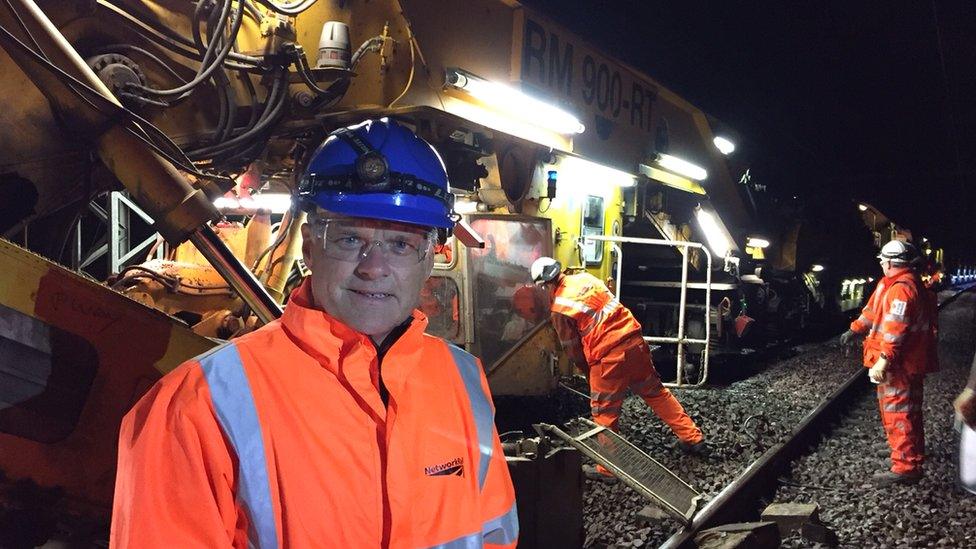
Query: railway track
x=742, y=499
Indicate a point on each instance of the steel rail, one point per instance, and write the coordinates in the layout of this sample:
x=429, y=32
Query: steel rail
x=760, y=478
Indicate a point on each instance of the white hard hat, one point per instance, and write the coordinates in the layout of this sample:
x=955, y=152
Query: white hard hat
x=544, y=269
x=898, y=251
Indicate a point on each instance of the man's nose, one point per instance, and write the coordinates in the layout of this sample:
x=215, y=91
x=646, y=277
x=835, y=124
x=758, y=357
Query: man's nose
x=372, y=260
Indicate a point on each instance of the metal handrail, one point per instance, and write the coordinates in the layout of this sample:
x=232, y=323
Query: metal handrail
x=681, y=340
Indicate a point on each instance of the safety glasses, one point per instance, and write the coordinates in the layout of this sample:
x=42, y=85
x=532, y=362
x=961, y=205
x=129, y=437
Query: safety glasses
x=349, y=240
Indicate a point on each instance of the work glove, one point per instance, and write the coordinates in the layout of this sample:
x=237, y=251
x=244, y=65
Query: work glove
x=847, y=338
x=965, y=405
x=877, y=372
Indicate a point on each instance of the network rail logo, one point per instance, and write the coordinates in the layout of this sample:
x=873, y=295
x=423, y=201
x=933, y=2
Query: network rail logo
x=454, y=467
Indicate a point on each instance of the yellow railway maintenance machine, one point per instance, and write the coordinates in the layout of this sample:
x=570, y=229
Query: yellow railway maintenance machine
x=152, y=145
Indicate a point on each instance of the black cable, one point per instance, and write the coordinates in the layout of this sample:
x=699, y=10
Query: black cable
x=255, y=104
x=206, y=70
x=275, y=107
x=367, y=45
x=175, y=41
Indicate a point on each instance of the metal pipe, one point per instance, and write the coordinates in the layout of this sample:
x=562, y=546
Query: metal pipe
x=729, y=505
x=708, y=316
x=620, y=269
x=236, y=274
x=684, y=246
x=681, y=316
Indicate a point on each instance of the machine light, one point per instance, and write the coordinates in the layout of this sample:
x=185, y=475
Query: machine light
x=862, y=207
x=465, y=206
x=276, y=203
x=870, y=279
x=724, y=145
x=756, y=242
x=681, y=167
x=515, y=103
x=717, y=240
x=817, y=267
x=575, y=170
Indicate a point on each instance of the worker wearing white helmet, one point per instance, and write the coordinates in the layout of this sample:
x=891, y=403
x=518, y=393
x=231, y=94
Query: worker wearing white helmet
x=603, y=338
x=901, y=324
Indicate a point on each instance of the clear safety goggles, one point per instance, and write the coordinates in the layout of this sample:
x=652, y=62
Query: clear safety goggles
x=352, y=241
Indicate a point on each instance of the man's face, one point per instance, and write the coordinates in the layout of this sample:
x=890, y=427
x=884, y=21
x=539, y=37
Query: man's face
x=371, y=294
x=891, y=269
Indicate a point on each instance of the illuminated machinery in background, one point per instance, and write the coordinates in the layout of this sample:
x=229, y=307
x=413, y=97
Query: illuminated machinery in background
x=190, y=120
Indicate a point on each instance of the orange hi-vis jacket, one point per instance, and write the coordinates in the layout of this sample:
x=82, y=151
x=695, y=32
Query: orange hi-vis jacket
x=901, y=320
x=599, y=320
x=280, y=438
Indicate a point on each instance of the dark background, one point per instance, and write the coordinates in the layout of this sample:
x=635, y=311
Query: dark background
x=836, y=101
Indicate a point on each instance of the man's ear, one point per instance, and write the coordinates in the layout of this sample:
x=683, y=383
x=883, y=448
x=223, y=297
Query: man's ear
x=307, y=244
x=429, y=265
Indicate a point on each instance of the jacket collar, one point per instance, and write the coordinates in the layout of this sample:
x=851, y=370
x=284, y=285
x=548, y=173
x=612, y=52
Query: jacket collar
x=899, y=275
x=327, y=338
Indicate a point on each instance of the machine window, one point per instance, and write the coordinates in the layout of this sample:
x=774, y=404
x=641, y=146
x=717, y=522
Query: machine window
x=439, y=301
x=506, y=303
x=593, y=216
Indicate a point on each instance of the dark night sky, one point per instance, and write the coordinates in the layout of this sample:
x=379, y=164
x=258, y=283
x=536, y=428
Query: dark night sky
x=873, y=101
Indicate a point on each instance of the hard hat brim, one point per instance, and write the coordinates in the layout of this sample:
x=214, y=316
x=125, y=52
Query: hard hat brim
x=398, y=207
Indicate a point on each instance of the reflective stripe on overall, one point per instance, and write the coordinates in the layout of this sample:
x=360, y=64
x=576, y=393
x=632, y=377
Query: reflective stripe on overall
x=234, y=403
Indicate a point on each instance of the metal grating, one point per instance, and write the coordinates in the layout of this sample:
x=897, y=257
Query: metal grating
x=634, y=467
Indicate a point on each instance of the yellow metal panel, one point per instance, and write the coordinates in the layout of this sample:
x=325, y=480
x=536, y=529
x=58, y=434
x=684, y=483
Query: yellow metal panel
x=19, y=277
x=130, y=345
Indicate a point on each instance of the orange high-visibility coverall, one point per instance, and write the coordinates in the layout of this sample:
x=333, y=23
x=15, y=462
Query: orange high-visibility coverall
x=901, y=321
x=281, y=439
x=601, y=335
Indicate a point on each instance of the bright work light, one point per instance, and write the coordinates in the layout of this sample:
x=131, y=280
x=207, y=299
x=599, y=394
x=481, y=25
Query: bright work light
x=586, y=173
x=723, y=145
x=717, y=240
x=681, y=167
x=515, y=103
x=756, y=242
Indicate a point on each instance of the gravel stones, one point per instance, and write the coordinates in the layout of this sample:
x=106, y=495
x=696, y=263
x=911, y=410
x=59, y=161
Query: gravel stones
x=742, y=420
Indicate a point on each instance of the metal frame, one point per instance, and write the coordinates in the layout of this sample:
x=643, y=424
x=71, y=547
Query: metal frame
x=681, y=340
x=118, y=222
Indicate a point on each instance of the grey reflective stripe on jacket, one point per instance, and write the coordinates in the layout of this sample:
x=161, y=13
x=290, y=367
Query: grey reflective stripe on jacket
x=233, y=400
x=501, y=530
x=484, y=421
x=234, y=403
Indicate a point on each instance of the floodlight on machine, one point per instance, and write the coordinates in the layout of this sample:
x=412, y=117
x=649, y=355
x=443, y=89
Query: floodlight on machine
x=276, y=203
x=757, y=242
x=584, y=173
x=724, y=145
x=817, y=267
x=714, y=234
x=862, y=207
x=681, y=166
x=515, y=103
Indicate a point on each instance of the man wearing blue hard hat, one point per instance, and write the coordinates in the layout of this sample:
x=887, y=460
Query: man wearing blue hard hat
x=342, y=424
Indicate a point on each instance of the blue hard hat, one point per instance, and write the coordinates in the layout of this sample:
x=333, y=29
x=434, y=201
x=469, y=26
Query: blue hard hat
x=381, y=170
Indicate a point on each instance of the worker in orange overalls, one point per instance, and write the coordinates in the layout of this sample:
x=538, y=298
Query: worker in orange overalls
x=603, y=339
x=341, y=424
x=901, y=323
